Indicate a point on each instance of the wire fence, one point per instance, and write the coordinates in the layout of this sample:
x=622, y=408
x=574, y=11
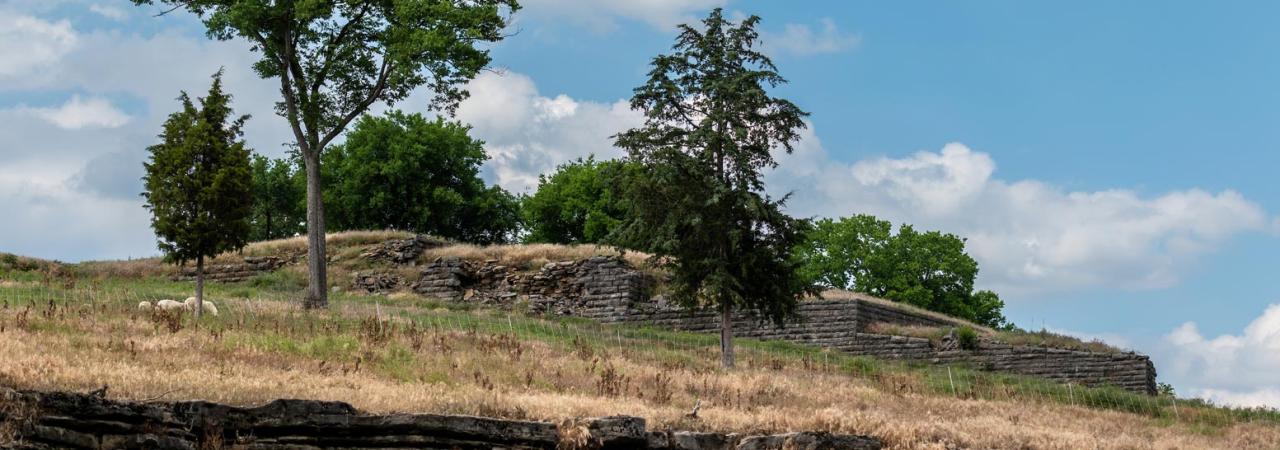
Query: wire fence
x=378, y=316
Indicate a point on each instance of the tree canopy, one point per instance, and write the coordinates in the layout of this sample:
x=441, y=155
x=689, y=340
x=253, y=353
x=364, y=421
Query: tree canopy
x=403, y=171
x=581, y=202
x=929, y=269
x=279, y=208
x=197, y=180
x=697, y=202
x=336, y=58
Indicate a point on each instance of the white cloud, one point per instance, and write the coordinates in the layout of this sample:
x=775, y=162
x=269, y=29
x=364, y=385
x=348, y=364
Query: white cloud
x=62, y=223
x=29, y=44
x=110, y=12
x=77, y=113
x=1028, y=236
x=801, y=40
x=604, y=15
x=80, y=189
x=527, y=134
x=1231, y=369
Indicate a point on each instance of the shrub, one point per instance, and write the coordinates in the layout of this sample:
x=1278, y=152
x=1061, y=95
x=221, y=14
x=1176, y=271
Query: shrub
x=967, y=337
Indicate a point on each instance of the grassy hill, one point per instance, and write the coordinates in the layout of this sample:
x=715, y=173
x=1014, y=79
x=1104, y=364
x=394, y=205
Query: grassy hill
x=77, y=327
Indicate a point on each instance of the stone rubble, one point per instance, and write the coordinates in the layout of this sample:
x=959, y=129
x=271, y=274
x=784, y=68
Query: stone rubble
x=402, y=251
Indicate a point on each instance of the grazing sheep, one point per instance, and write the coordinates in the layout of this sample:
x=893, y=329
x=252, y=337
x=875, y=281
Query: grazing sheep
x=209, y=307
x=146, y=306
x=170, y=305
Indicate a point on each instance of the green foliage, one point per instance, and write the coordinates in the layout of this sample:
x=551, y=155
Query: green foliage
x=929, y=270
x=278, y=199
x=696, y=202
x=197, y=179
x=1166, y=390
x=403, y=171
x=336, y=58
x=967, y=337
x=579, y=203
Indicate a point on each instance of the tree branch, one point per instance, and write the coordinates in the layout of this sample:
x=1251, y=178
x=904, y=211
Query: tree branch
x=331, y=46
x=286, y=89
x=374, y=93
x=166, y=12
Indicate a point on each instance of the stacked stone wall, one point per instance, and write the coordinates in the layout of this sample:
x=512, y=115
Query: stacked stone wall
x=600, y=288
x=608, y=290
x=52, y=420
x=251, y=267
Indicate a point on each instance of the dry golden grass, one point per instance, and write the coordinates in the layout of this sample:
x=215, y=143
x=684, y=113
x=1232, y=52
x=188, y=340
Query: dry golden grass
x=531, y=256
x=262, y=350
x=345, y=248
x=298, y=244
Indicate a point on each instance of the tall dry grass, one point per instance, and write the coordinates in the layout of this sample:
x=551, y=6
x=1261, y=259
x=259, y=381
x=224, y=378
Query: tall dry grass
x=531, y=256
x=408, y=358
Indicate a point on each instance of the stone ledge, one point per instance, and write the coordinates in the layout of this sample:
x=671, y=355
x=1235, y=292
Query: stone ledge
x=60, y=420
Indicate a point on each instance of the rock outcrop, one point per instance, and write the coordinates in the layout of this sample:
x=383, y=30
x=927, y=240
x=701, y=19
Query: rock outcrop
x=402, y=251
x=53, y=420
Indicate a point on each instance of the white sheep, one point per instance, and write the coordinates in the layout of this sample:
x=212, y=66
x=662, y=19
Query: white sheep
x=209, y=307
x=170, y=305
x=146, y=306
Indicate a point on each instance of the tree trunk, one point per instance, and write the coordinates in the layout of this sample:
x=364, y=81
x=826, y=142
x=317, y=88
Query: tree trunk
x=199, y=286
x=317, y=295
x=726, y=335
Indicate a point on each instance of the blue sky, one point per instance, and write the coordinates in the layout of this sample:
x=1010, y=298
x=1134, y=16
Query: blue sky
x=1110, y=162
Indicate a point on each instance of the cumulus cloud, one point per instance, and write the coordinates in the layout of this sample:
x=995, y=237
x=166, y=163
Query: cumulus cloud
x=527, y=134
x=73, y=169
x=78, y=113
x=803, y=40
x=29, y=44
x=1231, y=369
x=1028, y=236
x=604, y=15
x=63, y=223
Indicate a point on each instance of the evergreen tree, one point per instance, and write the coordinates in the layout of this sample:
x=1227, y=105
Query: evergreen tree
x=198, y=184
x=697, y=203
x=336, y=58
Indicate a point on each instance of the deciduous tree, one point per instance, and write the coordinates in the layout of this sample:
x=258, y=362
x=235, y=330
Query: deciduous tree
x=406, y=172
x=279, y=194
x=930, y=269
x=580, y=203
x=336, y=58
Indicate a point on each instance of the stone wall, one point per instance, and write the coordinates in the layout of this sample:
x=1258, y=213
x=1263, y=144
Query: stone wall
x=608, y=290
x=251, y=267
x=600, y=288
x=53, y=420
